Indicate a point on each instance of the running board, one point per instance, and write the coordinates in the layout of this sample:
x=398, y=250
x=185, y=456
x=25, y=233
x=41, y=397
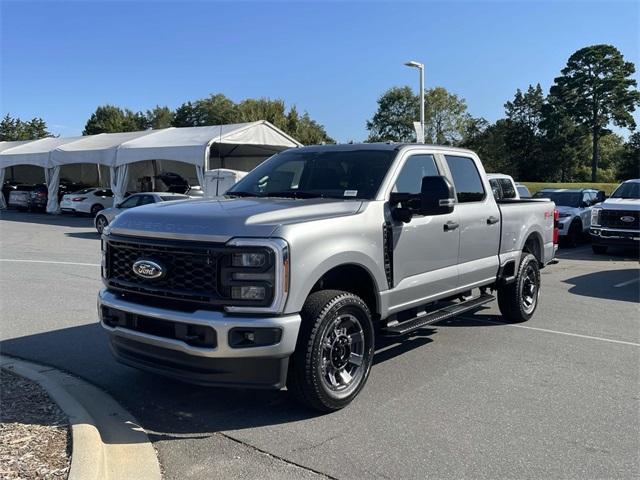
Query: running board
x=421, y=321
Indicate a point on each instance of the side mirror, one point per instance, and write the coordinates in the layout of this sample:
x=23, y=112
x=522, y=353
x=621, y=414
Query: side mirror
x=437, y=196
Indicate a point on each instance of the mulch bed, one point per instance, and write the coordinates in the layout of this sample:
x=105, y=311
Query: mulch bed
x=35, y=438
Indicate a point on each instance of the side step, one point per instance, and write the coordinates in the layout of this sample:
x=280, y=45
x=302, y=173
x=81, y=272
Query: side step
x=420, y=321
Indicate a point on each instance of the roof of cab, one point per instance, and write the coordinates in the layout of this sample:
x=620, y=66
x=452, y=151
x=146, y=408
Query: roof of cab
x=384, y=146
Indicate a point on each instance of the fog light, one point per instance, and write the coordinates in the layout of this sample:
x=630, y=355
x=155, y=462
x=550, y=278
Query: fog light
x=254, y=337
x=248, y=293
x=248, y=259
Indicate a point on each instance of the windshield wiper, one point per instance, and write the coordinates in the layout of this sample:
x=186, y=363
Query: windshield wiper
x=294, y=194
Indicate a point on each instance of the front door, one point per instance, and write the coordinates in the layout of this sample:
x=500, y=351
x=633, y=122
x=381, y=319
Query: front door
x=425, y=252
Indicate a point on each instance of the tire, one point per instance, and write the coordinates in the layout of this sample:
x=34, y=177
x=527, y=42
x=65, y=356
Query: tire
x=336, y=329
x=518, y=300
x=101, y=222
x=96, y=208
x=599, y=249
x=573, y=237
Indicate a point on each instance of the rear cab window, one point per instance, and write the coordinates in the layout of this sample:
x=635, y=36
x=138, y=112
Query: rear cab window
x=466, y=179
x=508, y=190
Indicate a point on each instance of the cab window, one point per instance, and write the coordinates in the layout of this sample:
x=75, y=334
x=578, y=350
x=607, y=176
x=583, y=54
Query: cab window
x=508, y=191
x=416, y=167
x=466, y=179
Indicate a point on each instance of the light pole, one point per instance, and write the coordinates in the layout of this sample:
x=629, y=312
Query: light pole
x=420, y=66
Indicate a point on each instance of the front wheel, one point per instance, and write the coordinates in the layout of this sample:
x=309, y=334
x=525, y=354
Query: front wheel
x=518, y=300
x=101, y=223
x=334, y=352
x=574, y=234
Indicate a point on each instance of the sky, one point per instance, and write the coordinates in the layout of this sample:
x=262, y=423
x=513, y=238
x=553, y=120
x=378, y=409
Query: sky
x=60, y=60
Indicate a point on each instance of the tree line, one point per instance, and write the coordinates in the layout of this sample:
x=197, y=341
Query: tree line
x=216, y=109
x=562, y=136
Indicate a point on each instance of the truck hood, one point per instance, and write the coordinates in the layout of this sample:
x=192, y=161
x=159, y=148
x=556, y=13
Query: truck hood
x=220, y=219
x=621, y=204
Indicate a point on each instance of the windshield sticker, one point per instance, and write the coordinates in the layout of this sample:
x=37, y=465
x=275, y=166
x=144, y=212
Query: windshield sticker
x=351, y=193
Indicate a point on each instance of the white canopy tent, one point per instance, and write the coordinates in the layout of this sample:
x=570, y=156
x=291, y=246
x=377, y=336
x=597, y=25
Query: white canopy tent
x=6, y=146
x=240, y=146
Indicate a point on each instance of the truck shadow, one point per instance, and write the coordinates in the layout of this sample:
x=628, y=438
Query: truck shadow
x=169, y=409
x=620, y=284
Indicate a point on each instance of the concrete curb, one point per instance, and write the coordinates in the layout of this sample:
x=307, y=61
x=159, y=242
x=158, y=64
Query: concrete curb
x=107, y=442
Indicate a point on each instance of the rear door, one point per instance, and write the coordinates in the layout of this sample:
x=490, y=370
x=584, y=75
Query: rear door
x=479, y=219
x=425, y=252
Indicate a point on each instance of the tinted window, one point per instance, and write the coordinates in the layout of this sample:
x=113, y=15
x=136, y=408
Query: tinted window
x=416, y=167
x=84, y=191
x=103, y=193
x=495, y=188
x=132, y=201
x=146, y=200
x=466, y=179
x=508, y=191
x=627, y=190
x=323, y=173
x=170, y=198
x=564, y=199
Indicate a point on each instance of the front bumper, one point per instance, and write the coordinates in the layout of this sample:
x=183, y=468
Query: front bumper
x=219, y=365
x=614, y=237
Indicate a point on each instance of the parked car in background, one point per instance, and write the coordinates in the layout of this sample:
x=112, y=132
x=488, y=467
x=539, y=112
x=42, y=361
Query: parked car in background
x=104, y=217
x=574, y=207
x=19, y=198
x=89, y=200
x=616, y=221
x=523, y=191
x=38, y=197
x=503, y=186
x=8, y=187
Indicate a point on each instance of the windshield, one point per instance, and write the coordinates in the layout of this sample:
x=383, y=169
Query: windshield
x=344, y=174
x=627, y=190
x=564, y=199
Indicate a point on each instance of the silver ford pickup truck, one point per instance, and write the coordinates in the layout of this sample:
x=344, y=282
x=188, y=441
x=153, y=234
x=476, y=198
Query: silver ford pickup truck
x=288, y=278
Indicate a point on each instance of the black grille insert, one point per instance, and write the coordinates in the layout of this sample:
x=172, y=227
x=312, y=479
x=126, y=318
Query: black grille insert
x=191, y=268
x=613, y=219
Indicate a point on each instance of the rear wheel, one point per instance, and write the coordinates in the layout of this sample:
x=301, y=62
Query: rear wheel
x=519, y=300
x=573, y=237
x=599, y=249
x=101, y=223
x=334, y=352
x=96, y=208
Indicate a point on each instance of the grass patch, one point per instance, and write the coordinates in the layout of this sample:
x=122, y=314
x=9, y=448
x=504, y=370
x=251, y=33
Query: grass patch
x=535, y=186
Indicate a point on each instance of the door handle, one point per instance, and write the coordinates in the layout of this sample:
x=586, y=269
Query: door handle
x=449, y=226
x=491, y=220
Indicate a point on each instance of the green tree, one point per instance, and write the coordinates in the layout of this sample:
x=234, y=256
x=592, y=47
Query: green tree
x=629, y=166
x=488, y=141
x=112, y=119
x=446, y=117
x=597, y=88
x=393, y=121
x=214, y=110
x=12, y=129
x=273, y=111
x=158, y=117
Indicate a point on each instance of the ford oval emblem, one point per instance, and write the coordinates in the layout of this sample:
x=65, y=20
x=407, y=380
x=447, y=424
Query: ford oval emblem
x=627, y=218
x=148, y=269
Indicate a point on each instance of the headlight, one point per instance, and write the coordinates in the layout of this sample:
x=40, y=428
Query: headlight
x=254, y=275
x=248, y=259
x=595, y=216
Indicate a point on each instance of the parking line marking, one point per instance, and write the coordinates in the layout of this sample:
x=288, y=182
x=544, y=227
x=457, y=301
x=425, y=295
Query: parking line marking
x=610, y=340
x=50, y=261
x=628, y=282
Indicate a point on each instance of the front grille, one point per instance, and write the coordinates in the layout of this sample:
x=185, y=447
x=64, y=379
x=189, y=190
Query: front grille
x=613, y=219
x=191, y=269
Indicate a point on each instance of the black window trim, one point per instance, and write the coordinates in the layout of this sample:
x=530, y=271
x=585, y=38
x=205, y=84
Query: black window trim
x=462, y=155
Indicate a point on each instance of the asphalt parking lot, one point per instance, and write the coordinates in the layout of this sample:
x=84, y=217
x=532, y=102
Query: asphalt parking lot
x=557, y=397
